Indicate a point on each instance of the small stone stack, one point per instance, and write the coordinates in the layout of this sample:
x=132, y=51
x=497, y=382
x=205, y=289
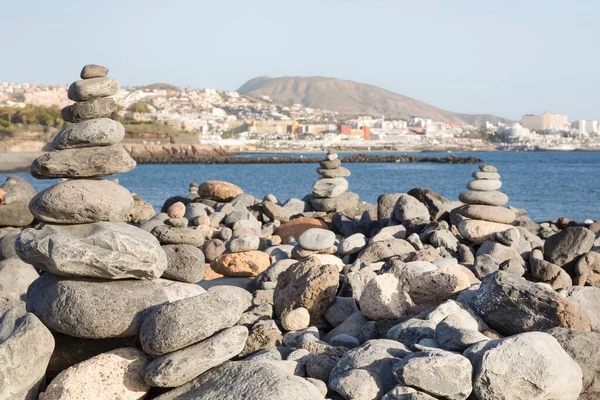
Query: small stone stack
x=483, y=210
x=330, y=193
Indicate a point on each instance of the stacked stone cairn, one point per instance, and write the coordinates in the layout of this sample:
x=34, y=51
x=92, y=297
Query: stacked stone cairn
x=484, y=212
x=294, y=303
x=330, y=193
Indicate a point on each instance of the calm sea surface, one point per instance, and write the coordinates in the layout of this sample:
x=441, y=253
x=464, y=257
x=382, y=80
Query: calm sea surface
x=547, y=184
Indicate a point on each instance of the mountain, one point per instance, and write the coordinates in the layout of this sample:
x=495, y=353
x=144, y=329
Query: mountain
x=353, y=98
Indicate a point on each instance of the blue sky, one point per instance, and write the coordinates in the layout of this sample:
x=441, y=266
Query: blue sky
x=504, y=57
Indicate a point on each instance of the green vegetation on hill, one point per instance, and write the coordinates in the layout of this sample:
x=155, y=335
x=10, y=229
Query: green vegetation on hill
x=13, y=118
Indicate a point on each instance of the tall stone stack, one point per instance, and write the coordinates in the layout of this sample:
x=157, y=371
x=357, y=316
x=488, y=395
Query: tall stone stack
x=89, y=254
x=330, y=193
x=483, y=210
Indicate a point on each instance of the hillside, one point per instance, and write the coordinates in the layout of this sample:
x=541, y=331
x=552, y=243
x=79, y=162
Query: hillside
x=352, y=98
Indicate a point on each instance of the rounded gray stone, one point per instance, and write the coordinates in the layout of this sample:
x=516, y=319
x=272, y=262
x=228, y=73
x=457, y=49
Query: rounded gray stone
x=484, y=198
x=171, y=235
x=25, y=349
x=329, y=187
x=244, y=242
x=82, y=201
x=182, y=323
x=316, y=239
x=93, y=71
x=175, y=369
x=96, y=309
x=484, y=185
x=246, y=380
x=90, y=162
x=97, y=108
x=488, y=213
x=94, y=132
x=339, y=172
x=98, y=250
x=93, y=88
x=340, y=203
x=185, y=263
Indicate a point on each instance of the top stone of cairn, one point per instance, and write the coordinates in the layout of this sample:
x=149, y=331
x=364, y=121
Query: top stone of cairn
x=93, y=71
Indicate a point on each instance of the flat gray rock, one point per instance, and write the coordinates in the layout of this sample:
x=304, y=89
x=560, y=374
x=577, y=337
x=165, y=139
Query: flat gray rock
x=329, y=187
x=25, y=349
x=93, y=71
x=512, y=305
x=484, y=185
x=82, y=201
x=568, y=244
x=90, y=162
x=96, y=309
x=443, y=374
x=365, y=372
x=176, y=325
x=340, y=203
x=93, y=88
x=484, y=198
x=316, y=239
x=97, y=108
x=488, y=213
x=339, y=172
x=98, y=250
x=408, y=208
x=171, y=235
x=244, y=242
x=175, y=369
x=185, y=263
x=94, y=132
x=531, y=365
x=246, y=380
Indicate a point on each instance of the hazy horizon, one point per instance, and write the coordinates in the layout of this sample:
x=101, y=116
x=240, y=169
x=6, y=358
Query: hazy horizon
x=505, y=59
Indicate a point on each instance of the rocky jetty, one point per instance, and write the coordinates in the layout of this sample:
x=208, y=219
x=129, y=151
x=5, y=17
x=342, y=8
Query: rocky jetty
x=225, y=296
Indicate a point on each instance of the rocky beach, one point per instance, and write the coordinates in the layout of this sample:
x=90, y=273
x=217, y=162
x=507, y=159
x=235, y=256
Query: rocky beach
x=223, y=295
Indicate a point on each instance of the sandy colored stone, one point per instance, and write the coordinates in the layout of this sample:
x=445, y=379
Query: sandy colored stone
x=117, y=374
x=296, y=227
x=219, y=190
x=501, y=215
x=93, y=71
x=247, y=263
x=176, y=210
x=210, y=274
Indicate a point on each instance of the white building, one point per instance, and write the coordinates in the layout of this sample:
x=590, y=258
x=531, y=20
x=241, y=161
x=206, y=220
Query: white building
x=585, y=126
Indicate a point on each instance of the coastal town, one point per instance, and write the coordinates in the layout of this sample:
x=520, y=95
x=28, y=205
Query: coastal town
x=240, y=122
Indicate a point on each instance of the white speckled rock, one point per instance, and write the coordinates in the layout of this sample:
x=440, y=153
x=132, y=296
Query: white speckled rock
x=384, y=298
x=117, y=374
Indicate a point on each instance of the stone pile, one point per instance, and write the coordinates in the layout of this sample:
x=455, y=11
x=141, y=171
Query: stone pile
x=483, y=210
x=330, y=193
x=262, y=299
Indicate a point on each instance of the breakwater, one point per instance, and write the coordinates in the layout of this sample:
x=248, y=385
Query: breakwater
x=357, y=158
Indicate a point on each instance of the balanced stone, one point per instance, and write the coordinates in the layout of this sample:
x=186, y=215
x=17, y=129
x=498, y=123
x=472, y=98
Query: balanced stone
x=93, y=88
x=82, y=201
x=339, y=172
x=97, y=108
x=340, y=203
x=488, y=168
x=329, y=187
x=94, y=132
x=478, y=231
x=93, y=71
x=484, y=198
x=179, y=324
x=219, y=190
x=316, y=239
x=484, y=185
x=88, y=162
x=98, y=250
x=96, y=309
x=175, y=369
x=488, y=213
x=330, y=164
x=486, y=175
